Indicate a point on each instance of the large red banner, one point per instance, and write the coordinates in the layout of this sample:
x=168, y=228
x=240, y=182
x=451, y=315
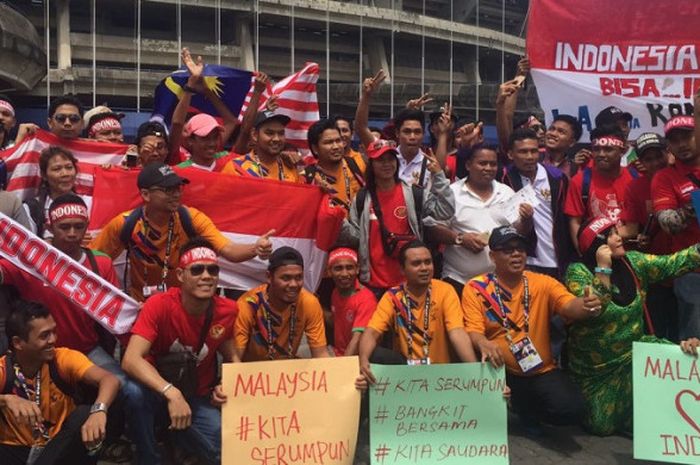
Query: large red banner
x=641, y=56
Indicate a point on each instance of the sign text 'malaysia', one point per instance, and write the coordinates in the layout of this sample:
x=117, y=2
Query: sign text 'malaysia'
x=626, y=58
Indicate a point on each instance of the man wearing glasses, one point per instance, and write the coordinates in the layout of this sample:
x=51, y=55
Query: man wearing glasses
x=153, y=233
x=508, y=313
x=66, y=117
x=190, y=319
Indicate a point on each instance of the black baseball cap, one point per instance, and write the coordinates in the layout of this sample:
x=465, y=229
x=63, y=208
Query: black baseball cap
x=265, y=116
x=159, y=174
x=609, y=116
x=649, y=140
x=151, y=128
x=502, y=235
x=285, y=255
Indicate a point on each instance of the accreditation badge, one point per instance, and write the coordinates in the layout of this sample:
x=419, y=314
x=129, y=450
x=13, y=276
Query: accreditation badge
x=526, y=354
x=418, y=361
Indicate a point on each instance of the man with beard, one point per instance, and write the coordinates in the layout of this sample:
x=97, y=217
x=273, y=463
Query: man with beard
x=673, y=189
x=600, y=190
x=508, y=313
x=332, y=169
x=274, y=316
x=264, y=161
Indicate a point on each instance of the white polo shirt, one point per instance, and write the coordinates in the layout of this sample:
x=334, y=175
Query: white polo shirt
x=543, y=220
x=473, y=215
x=409, y=171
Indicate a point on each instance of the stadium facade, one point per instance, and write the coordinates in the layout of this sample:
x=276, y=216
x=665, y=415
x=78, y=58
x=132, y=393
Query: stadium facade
x=116, y=51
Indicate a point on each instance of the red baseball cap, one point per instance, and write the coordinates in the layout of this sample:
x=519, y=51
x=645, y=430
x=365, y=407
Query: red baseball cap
x=588, y=234
x=679, y=122
x=201, y=125
x=379, y=147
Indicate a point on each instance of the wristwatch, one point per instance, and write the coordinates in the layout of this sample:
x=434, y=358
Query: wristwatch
x=459, y=239
x=98, y=407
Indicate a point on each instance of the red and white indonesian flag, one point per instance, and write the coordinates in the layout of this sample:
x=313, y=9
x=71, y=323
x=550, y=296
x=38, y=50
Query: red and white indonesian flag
x=243, y=209
x=641, y=56
x=297, y=99
x=23, y=161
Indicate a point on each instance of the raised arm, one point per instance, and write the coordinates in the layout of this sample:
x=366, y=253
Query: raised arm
x=362, y=112
x=506, y=102
x=261, y=83
x=194, y=84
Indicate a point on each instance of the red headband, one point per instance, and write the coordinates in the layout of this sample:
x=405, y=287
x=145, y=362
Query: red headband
x=68, y=210
x=609, y=141
x=7, y=106
x=104, y=124
x=342, y=252
x=589, y=233
x=198, y=254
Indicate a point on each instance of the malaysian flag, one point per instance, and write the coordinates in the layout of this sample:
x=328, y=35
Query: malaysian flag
x=296, y=97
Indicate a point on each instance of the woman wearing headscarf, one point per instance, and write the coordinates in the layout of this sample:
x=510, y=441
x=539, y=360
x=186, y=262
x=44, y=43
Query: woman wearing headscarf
x=600, y=349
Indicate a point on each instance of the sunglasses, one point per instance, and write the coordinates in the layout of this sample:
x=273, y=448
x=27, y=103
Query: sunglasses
x=510, y=249
x=61, y=118
x=196, y=270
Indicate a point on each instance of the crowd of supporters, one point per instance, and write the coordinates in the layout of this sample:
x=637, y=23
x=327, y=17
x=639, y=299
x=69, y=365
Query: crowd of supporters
x=434, y=263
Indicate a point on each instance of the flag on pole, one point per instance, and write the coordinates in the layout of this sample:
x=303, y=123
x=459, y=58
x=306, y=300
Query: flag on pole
x=296, y=96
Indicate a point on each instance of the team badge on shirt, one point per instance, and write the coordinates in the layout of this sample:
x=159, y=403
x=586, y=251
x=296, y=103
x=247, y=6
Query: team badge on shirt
x=216, y=331
x=400, y=212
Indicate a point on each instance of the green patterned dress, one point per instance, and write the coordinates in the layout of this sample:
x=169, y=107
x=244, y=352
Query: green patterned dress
x=600, y=349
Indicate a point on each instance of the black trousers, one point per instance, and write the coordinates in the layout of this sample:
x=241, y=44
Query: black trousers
x=66, y=448
x=663, y=310
x=550, y=397
x=459, y=287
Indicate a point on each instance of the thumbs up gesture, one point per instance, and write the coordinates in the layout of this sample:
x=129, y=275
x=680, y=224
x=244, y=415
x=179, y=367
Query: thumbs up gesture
x=263, y=246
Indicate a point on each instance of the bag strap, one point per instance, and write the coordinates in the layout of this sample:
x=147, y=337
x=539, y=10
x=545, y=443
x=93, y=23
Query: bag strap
x=586, y=187
x=205, y=328
x=92, y=260
x=423, y=168
x=694, y=179
x=356, y=171
x=129, y=225
x=186, y=221
x=360, y=201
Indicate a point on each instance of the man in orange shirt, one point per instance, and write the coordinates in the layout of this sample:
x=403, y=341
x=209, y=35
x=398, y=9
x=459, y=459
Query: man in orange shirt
x=345, y=128
x=153, y=234
x=264, y=160
x=40, y=420
x=508, y=314
x=423, y=313
x=273, y=317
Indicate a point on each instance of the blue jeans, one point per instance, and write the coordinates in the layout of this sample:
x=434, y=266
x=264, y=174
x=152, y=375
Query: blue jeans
x=687, y=289
x=202, y=438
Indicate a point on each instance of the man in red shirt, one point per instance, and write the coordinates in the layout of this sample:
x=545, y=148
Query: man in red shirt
x=598, y=191
x=75, y=329
x=352, y=304
x=642, y=231
x=672, y=188
x=190, y=318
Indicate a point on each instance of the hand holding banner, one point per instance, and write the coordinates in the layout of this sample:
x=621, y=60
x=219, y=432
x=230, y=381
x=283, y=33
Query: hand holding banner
x=291, y=411
x=447, y=414
x=108, y=305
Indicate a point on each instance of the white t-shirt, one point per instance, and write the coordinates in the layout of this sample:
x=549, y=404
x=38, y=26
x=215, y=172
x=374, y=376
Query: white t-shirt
x=472, y=215
x=544, y=220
